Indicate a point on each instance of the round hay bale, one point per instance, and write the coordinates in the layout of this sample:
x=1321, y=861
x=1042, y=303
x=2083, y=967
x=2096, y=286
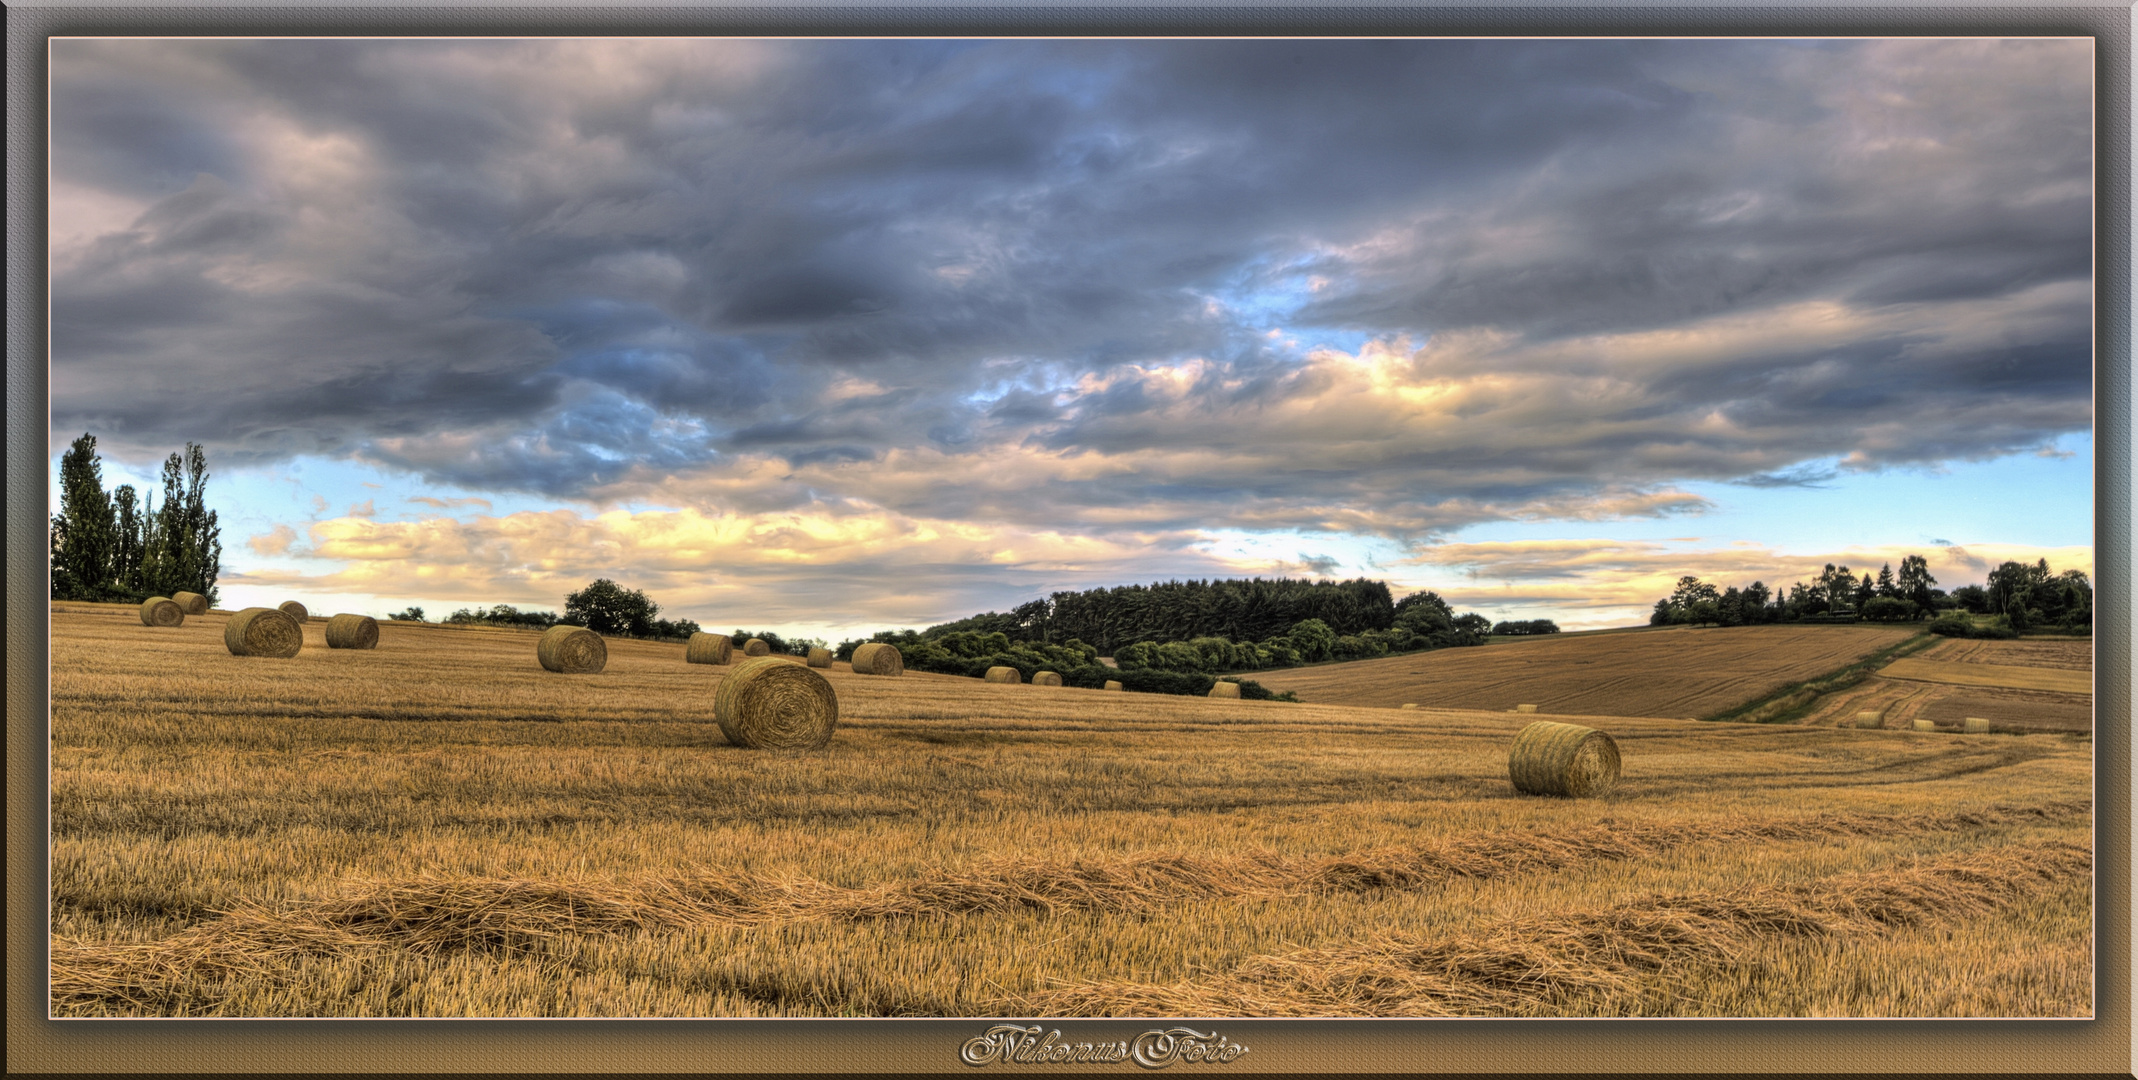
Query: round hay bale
x=998, y=673
x=1224, y=689
x=352, y=632
x=572, y=650
x=294, y=610
x=162, y=611
x=878, y=658
x=1551, y=758
x=1923, y=725
x=259, y=631
x=1870, y=719
x=769, y=704
x=192, y=603
x=1113, y=684
x=756, y=647
x=1046, y=678
x=707, y=648
x=1975, y=725
x=1525, y=708
x=820, y=658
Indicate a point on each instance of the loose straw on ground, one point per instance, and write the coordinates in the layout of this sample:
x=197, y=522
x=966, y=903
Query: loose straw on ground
x=263, y=631
x=572, y=650
x=770, y=704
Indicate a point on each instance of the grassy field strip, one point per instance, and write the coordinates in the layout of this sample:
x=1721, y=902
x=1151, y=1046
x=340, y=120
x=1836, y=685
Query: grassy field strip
x=1587, y=958
x=505, y=914
x=1792, y=702
x=1998, y=675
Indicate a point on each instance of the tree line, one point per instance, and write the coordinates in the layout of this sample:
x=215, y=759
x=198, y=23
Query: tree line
x=1251, y=609
x=2017, y=595
x=603, y=606
x=121, y=546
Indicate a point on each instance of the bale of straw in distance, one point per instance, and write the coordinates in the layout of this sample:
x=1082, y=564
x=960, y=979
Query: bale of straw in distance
x=261, y=631
x=1224, y=689
x=998, y=673
x=1525, y=708
x=878, y=658
x=192, y=603
x=769, y=704
x=1046, y=678
x=756, y=647
x=294, y=610
x=352, y=632
x=1923, y=725
x=1113, y=684
x=1550, y=758
x=1870, y=719
x=820, y=658
x=707, y=648
x=162, y=611
x=572, y=650
x=1410, y=704
x=1975, y=725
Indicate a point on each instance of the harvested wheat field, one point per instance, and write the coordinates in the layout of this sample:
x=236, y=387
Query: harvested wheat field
x=2029, y=684
x=439, y=827
x=1675, y=672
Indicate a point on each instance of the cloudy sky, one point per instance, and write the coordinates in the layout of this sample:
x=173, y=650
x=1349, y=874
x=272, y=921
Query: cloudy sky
x=827, y=337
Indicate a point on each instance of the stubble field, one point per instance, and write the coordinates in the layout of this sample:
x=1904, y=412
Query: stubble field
x=2027, y=685
x=441, y=828
x=1680, y=672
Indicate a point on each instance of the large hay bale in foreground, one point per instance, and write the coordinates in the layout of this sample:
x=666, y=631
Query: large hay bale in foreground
x=260, y=631
x=1923, y=725
x=1046, y=678
x=572, y=650
x=820, y=658
x=192, y=603
x=1550, y=758
x=162, y=611
x=294, y=610
x=1870, y=719
x=1975, y=725
x=1113, y=684
x=1224, y=689
x=756, y=647
x=770, y=704
x=707, y=648
x=1525, y=708
x=352, y=632
x=1002, y=674
x=879, y=658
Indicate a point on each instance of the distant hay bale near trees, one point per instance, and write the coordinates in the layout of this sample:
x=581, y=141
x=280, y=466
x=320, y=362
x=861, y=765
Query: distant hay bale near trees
x=999, y=673
x=1046, y=678
x=770, y=704
x=294, y=610
x=192, y=603
x=707, y=648
x=756, y=647
x=162, y=611
x=1550, y=758
x=572, y=650
x=1224, y=689
x=263, y=631
x=879, y=658
x=1113, y=684
x=819, y=657
x=352, y=632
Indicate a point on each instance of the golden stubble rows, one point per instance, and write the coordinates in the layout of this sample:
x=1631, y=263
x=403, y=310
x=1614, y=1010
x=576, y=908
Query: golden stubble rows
x=186, y=786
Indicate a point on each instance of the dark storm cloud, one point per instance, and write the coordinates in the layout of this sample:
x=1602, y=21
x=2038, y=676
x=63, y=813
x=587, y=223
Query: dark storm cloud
x=1592, y=268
